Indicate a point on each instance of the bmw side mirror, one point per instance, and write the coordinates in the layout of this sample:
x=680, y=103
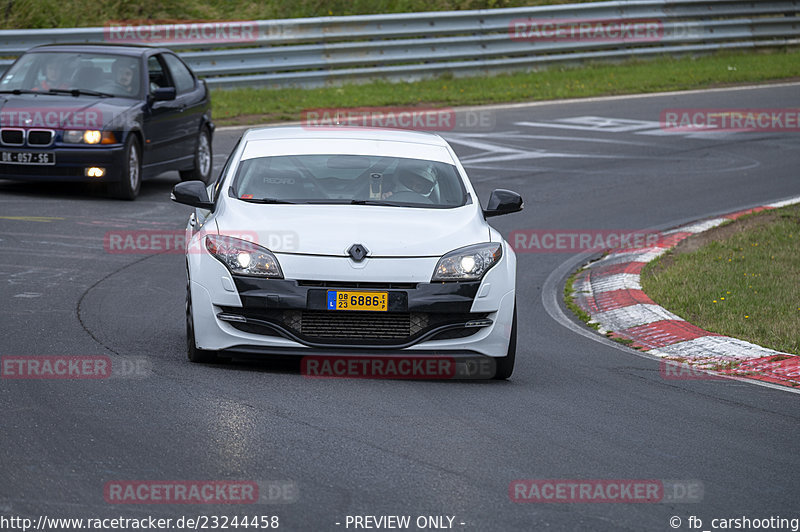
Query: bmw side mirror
x=163, y=94
x=503, y=202
x=192, y=193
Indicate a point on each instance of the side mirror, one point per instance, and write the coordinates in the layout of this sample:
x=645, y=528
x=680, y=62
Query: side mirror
x=503, y=202
x=163, y=94
x=192, y=193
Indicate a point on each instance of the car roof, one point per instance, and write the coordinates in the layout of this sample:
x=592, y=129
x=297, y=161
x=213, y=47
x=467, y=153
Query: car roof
x=99, y=48
x=344, y=133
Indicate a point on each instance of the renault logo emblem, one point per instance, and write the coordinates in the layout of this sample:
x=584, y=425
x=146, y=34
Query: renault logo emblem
x=357, y=252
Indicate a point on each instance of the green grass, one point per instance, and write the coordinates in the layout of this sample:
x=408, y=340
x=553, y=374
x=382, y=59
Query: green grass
x=252, y=106
x=20, y=14
x=746, y=286
x=571, y=305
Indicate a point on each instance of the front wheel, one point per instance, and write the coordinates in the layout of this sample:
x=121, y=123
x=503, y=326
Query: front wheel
x=194, y=354
x=505, y=365
x=130, y=182
x=202, y=160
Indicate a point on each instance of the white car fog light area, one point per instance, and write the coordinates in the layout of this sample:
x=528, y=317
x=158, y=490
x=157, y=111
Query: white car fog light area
x=242, y=257
x=469, y=263
x=490, y=340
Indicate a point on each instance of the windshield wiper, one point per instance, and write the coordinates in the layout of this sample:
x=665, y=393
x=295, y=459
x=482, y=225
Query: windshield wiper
x=267, y=200
x=354, y=202
x=21, y=91
x=375, y=202
x=78, y=92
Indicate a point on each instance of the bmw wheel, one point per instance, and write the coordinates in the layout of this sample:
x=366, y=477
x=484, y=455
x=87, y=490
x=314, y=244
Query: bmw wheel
x=203, y=160
x=131, y=179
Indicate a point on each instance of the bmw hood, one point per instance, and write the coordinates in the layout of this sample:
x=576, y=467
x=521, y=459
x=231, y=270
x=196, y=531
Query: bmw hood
x=63, y=112
x=332, y=229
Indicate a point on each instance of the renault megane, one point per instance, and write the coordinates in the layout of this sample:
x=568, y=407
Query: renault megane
x=326, y=241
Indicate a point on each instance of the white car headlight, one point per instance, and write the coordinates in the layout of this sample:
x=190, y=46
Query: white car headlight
x=469, y=263
x=242, y=257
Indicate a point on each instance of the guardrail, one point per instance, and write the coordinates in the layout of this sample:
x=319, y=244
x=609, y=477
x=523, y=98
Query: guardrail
x=326, y=50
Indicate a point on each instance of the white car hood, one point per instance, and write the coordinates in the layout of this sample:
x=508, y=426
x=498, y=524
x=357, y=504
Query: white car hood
x=332, y=229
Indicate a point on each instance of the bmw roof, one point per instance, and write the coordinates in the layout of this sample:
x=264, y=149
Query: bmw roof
x=112, y=48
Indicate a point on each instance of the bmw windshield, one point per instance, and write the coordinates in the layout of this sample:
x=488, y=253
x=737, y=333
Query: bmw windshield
x=80, y=73
x=349, y=179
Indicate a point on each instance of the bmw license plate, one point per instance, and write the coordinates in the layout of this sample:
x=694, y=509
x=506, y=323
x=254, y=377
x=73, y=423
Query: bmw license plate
x=347, y=300
x=26, y=157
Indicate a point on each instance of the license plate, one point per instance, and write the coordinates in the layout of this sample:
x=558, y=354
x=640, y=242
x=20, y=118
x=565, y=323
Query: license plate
x=347, y=300
x=26, y=157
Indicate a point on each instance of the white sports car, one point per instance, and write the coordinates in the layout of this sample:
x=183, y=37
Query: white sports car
x=347, y=242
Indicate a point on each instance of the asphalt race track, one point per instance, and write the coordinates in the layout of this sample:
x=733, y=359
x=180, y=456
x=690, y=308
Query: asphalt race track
x=576, y=408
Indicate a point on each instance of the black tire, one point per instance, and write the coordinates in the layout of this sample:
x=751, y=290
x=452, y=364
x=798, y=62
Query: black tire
x=130, y=182
x=199, y=356
x=203, y=159
x=505, y=365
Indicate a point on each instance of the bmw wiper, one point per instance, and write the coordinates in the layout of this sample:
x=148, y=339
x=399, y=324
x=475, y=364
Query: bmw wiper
x=79, y=92
x=266, y=200
x=20, y=91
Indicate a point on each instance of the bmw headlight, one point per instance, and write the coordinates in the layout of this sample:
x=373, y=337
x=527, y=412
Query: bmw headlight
x=469, y=263
x=242, y=257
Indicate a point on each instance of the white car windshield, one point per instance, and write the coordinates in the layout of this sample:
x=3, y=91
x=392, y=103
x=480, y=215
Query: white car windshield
x=352, y=179
x=57, y=72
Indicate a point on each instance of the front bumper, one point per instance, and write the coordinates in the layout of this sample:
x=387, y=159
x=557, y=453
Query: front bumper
x=289, y=316
x=297, y=310
x=71, y=164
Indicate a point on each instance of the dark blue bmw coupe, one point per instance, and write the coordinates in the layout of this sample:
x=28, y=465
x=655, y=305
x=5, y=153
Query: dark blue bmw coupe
x=113, y=114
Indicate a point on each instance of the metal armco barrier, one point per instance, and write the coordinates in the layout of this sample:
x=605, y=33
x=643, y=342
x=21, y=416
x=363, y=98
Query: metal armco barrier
x=328, y=50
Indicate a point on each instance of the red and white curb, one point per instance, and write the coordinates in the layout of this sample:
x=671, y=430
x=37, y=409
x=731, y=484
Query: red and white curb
x=609, y=290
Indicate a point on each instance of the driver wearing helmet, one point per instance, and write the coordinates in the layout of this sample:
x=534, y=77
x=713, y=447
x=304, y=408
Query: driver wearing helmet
x=414, y=178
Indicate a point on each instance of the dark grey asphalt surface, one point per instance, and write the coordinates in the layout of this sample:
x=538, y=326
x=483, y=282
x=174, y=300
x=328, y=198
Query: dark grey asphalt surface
x=574, y=409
